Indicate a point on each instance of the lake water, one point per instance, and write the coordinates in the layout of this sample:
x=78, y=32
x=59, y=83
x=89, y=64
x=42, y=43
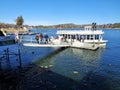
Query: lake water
x=100, y=67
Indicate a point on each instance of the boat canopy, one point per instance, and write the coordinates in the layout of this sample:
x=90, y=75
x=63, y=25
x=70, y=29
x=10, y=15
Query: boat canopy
x=80, y=32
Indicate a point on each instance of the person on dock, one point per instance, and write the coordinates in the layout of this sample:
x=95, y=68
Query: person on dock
x=16, y=32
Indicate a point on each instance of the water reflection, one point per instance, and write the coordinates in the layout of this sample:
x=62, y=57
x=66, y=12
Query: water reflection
x=72, y=63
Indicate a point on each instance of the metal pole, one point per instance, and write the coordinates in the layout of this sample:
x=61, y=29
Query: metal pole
x=0, y=65
x=7, y=58
x=31, y=39
x=19, y=55
x=20, y=39
x=7, y=53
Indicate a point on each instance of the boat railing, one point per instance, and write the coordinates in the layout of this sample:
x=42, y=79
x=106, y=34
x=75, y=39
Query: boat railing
x=7, y=37
x=81, y=32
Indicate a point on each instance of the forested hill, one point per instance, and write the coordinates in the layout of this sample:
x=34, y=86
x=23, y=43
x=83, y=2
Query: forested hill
x=68, y=25
x=71, y=25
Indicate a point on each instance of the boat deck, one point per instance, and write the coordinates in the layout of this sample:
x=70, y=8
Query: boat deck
x=45, y=45
x=58, y=45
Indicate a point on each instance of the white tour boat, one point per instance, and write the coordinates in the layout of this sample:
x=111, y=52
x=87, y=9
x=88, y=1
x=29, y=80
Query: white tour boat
x=88, y=38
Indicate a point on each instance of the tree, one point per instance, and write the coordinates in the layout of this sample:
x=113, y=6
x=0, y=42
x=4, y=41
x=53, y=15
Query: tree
x=19, y=21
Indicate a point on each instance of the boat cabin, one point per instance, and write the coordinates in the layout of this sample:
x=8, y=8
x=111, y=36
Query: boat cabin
x=88, y=35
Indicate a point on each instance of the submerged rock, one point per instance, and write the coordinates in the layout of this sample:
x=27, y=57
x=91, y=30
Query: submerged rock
x=75, y=72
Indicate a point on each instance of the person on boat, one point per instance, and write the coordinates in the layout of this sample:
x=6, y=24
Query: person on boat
x=64, y=38
x=41, y=37
x=72, y=37
x=37, y=37
x=83, y=38
x=46, y=38
x=93, y=26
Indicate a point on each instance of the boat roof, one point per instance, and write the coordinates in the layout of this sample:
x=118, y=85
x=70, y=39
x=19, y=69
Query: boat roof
x=80, y=32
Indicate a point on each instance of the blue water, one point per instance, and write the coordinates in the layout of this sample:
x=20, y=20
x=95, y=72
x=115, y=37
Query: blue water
x=102, y=66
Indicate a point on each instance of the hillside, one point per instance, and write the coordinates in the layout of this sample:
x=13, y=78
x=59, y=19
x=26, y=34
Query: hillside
x=68, y=25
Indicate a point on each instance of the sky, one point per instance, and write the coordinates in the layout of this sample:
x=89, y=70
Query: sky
x=53, y=12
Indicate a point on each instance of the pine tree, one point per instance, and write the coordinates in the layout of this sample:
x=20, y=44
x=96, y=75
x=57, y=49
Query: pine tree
x=19, y=21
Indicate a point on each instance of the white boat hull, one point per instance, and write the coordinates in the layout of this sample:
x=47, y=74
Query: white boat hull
x=84, y=45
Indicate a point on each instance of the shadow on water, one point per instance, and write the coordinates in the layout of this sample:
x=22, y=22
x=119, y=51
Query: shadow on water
x=48, y=56
x=44, y=79
x=71, y=53
x=71, y=61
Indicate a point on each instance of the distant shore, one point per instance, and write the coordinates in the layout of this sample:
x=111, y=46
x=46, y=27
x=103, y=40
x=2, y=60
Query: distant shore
x=12, y=30
x=26, y=30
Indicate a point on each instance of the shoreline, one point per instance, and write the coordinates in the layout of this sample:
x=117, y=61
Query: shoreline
x=11, y=79
x=15, y=79
x=13, y=30
x=38, y=78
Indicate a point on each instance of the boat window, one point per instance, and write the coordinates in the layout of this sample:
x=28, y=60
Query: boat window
x=88, y=36
x=92, y=37
x=96, y=37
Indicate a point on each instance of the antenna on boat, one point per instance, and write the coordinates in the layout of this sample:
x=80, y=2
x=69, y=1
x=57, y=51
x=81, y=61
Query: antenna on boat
x=93, y=26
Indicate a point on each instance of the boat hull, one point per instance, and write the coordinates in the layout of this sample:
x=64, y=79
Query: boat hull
x=84, y=45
